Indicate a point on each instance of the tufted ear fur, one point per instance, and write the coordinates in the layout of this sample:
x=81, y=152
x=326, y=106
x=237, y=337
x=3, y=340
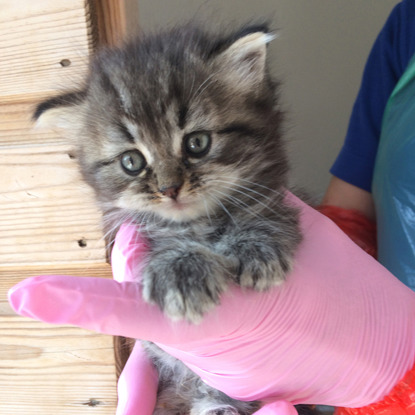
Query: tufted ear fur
x=60, y=112
x=244, y=61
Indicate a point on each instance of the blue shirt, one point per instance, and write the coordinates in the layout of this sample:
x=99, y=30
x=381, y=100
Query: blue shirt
x=387, y=61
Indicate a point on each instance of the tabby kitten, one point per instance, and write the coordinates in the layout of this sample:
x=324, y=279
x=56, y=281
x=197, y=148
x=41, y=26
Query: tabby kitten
x=180, y=133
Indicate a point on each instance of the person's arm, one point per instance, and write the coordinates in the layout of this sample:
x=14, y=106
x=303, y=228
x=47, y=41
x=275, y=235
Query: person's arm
x=347, y=196
x=352, y=210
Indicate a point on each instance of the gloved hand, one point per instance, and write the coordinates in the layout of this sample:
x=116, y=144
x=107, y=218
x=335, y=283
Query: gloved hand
x=338, y=332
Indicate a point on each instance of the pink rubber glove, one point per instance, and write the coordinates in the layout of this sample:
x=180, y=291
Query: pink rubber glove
x=138, y=382
x=137, y=385
x=339, y=332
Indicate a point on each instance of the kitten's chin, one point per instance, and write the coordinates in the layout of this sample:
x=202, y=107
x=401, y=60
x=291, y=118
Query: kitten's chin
x=180, y=212
x=177, y=211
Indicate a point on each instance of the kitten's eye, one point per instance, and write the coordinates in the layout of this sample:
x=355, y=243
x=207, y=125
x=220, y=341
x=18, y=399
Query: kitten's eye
x=197, y=144
x=132, y=162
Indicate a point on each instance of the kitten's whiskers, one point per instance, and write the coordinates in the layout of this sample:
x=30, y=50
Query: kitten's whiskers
x=116, y=219
x=271, y=200
x=217, y=200
x=262, y=186
x=234, y=187
x=207, y=212
x=240, y=204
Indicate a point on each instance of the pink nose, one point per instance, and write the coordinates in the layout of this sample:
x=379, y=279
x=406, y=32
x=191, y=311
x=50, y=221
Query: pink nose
x=171, y=191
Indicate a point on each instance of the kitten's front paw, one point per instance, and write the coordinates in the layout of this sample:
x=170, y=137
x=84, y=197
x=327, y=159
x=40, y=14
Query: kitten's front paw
x=262, y=269
x=185, y=285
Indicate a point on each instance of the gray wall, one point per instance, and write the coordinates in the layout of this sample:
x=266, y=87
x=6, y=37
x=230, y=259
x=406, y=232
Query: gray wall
x=319, y=56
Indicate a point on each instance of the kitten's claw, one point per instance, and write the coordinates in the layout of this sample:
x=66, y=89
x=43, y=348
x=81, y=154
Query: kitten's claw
x=262, y=276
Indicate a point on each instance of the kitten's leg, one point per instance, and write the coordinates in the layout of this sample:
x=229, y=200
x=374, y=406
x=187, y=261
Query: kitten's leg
x=186, y=281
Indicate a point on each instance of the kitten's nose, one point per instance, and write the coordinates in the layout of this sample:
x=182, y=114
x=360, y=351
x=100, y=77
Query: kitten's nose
x=171, y=191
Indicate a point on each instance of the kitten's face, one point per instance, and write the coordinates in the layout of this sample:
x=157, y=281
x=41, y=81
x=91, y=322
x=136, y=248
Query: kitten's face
x=167, y=128
x=177, y=172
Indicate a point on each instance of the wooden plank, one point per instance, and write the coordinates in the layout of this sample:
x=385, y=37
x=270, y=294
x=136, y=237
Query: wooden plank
x=47, y=369
x=45, y=47
x=52, y=370
x=17, y=129
x=47, y=214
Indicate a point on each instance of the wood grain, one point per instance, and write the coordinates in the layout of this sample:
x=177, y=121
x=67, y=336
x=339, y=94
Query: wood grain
x=47, y=369
x=36, y=36
x=47, y=214
x=17, y=129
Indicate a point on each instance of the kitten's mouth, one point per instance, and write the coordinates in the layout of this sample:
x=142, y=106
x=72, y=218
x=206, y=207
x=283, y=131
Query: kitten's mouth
x=178, y=204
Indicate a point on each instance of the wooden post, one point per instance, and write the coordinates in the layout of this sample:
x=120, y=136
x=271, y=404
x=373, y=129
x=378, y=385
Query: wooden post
x=49, y=223
x=110, y=21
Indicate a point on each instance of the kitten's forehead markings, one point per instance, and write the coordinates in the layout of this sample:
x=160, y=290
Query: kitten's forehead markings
x=182, y=116
x=134, y=131
x=123, y=91
x=177, y=143
x=175, y=131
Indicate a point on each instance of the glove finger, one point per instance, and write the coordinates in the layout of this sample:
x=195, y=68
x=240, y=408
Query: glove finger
x=101, y=305
x=137, y=385
x=98, y=304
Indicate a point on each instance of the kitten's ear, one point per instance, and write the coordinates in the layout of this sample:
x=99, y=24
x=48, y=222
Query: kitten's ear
x=244, y=61
x=60, y=112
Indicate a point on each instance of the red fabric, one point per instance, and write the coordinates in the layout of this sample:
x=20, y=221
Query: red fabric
x=401, y=401
x=355, y=225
